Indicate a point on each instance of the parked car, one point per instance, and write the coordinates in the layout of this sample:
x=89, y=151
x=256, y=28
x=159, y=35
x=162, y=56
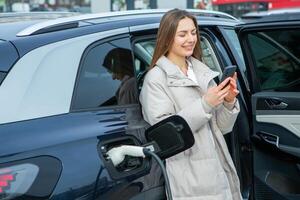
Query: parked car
x=61, y=108
x=276, y=13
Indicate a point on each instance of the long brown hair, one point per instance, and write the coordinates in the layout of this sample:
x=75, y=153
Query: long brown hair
x=166, y=33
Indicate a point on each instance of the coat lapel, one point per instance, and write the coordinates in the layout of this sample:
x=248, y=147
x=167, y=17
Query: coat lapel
x=203, y=73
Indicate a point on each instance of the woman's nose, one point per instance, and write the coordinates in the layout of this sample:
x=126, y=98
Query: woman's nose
x=191, y=37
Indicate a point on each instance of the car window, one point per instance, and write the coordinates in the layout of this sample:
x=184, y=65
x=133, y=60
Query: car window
x=106, y=76
x=143, y=51
x=208, y=55
x=2, y=76
x=231, y=34
x=143, y=55
x=148, y=46
x=276, y=57
x=8, y=57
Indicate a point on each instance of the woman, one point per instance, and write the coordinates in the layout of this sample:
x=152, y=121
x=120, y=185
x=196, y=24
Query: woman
x=178, y=83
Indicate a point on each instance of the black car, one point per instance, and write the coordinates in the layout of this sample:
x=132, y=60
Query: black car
x=61, y=106
x=273, y=14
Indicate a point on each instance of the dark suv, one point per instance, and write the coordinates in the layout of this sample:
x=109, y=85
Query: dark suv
x=69, y=89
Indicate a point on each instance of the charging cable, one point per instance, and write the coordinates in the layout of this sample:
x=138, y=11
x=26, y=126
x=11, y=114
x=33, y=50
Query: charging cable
x=148, y=152
x=117, y=155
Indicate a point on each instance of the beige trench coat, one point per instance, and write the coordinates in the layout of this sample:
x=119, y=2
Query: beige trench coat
x=206, y=170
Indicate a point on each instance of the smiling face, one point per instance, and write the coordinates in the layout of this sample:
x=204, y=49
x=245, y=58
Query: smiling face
x=185, y=39
x=177, y=37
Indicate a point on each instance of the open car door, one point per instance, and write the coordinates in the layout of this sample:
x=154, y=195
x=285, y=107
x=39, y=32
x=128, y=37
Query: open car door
x=272, y=56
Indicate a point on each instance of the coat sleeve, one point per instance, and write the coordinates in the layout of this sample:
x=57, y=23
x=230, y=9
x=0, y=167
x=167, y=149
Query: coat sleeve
x=158, y=104
x=226, y=114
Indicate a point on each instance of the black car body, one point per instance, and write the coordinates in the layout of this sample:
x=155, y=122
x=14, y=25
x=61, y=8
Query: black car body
x=60, y=109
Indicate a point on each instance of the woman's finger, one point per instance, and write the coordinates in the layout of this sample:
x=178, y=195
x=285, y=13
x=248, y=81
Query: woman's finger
x=223, y=91
x=234, y=76
x=233, y=84
x=223, y=84
x=234, y=93
x=221, y=98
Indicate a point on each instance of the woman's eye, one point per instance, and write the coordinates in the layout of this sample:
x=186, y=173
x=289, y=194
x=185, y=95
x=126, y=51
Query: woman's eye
x=194, y=33
x=181, y=35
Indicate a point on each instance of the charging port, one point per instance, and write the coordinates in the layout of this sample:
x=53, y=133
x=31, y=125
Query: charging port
x=130, y=165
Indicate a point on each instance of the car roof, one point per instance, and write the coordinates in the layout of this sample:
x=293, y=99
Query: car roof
x=10, y=17
x=12, y=23
x=28, y=35
x=37, y=23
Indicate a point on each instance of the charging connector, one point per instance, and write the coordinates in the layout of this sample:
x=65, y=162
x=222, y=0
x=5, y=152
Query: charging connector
x=117, y=155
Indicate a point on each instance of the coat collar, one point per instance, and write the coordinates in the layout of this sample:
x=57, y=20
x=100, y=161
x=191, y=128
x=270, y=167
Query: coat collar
x=203, y=73
x=170, y=68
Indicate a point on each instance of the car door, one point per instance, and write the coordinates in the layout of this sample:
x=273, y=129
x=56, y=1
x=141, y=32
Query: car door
x=106, y=94
x=272, y=57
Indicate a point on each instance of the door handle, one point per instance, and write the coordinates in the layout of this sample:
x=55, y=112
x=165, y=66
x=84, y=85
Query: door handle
x=274, y=141
x=269, y=138
x=276, y=104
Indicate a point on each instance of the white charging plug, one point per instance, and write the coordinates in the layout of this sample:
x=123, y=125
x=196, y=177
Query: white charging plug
x=117, y=154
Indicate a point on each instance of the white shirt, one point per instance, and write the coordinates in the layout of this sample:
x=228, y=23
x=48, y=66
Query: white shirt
x=190, y=72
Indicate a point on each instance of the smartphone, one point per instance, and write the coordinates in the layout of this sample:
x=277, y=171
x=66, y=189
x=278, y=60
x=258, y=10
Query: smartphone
x=228, y=72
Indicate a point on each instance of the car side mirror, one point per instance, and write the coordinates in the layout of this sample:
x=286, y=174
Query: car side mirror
x=172, y=135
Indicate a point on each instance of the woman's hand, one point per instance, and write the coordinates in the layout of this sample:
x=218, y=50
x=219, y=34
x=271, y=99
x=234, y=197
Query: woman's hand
x=215, y=95
x=233, y=91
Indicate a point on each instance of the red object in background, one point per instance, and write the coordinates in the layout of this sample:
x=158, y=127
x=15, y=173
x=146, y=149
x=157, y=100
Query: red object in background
x=276, y=4
x=220, y=2
x=272, y=4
